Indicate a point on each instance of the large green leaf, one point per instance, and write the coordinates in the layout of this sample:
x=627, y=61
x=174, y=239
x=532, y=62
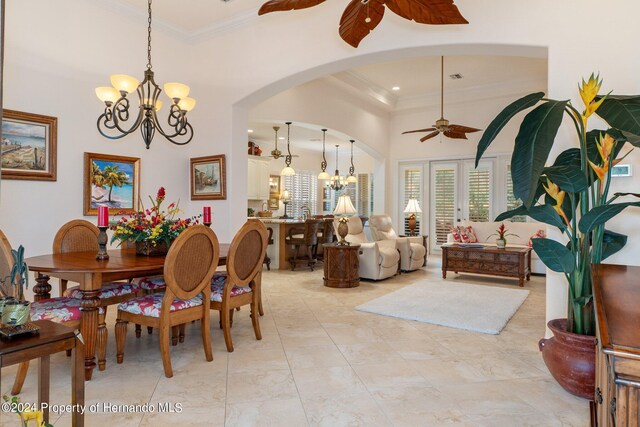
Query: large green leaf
x=633, y=139
x=612, y=242
x=554, y=255
x=569, y=157
x=621, y=112
x=533, y=144
x=503, y=118
x=627, y=194
x=520, y=210
x=543, y=213
x=601, y=214
x=569, y=178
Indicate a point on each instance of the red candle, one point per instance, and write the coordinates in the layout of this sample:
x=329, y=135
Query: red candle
x=206, y=215
x=103, y=216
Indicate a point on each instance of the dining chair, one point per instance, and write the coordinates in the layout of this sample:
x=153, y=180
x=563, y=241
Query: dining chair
x=243, y=279
x=62, y=310
x=188, y=269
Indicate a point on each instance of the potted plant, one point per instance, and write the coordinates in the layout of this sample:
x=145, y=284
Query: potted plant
x=501, y=232
x=15, y=310
x=153, y=230
x=576, y=200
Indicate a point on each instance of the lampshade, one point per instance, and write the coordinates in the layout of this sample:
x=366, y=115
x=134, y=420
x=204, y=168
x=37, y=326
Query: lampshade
x=344, y=206
x=107, y=94
x=288, y=171
x=124, y=83
x=352, y=179
x=186, y=104
x=176, y=90
x=324, y=176
x=147, y=101
x=285, y=195
x=413, y=207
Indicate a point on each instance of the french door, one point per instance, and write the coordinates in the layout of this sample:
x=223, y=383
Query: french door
x=459, y=192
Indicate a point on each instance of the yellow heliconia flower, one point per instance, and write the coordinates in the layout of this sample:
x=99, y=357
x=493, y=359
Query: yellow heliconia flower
x=605, y=147
x=601, y=171
x=589, y=89
x=558, y=195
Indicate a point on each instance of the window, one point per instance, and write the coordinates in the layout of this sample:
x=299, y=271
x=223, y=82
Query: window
x=364, y=200
x=512, y=202
x=412, y=190
x=303, y=187
x=479, y=193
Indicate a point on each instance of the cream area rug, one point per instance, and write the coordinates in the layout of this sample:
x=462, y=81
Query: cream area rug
x=478, y=308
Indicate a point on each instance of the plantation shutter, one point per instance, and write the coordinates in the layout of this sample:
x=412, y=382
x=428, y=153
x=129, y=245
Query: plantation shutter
x=412, y=190
x=363, y=201
x=303, y=187
x=512, y=202
x=479, y=193
x=444, y=200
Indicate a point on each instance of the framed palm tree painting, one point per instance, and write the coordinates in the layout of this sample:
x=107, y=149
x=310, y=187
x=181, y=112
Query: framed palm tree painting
x=112, y=181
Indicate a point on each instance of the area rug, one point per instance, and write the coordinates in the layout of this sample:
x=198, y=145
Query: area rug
x=478, y=308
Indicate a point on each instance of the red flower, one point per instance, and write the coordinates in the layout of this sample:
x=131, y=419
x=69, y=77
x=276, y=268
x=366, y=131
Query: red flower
x=160, y=196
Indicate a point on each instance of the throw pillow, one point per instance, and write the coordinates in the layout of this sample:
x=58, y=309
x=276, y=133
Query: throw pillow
x=471, y=235
x=538, y=234
x=455, y=231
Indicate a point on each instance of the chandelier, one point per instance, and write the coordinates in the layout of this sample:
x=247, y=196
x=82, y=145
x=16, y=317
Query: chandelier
x=117, y=105
x=338, y=183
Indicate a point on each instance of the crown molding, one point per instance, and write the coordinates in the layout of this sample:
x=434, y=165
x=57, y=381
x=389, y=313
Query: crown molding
x=366, y=89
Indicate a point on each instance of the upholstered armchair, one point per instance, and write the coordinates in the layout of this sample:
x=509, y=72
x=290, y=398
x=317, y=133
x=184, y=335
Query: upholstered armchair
x=378, y=260
x=413, y=253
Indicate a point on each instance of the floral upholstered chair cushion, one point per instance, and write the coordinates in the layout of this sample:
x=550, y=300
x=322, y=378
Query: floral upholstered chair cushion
x=217, y=286
x=152, y=283
x=59, y=310
x=109, y=290
x=150, y=305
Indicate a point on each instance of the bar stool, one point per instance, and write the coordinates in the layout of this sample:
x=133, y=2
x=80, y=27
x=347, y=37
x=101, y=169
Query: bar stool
x=307, y=237
x=267, y=260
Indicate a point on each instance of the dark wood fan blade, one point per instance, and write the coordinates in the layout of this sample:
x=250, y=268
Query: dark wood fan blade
x=419, y=130
x=455, y=135
x=431, y=135
x=434, y=12
x=465, y=129
x=353, y=24
x=280, y=5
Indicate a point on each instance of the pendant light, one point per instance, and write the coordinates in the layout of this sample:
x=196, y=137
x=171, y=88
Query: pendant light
x=275, y=152
x=352, y=178
x=323, y=175
x=337, y=182
x=288, y=170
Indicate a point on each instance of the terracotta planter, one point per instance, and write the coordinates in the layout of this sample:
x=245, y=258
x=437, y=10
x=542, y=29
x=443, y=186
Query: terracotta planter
x=146, y=248
x=571, y=359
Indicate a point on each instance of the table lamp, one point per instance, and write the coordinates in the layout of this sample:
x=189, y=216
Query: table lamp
x=412, y=209
x=344, y=207
x=285, y=196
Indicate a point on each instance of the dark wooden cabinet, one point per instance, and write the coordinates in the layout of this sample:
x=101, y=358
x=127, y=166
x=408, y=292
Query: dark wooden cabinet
x=341, y=265
x=617, y=300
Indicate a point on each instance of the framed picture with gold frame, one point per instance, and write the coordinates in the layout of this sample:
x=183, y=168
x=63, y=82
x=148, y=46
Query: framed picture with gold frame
x=208, y=178
x=112, y=181
x=29, y=146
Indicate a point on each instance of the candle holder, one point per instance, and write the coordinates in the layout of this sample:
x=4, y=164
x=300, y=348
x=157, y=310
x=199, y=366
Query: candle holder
x=102, y=242
x=208, y=224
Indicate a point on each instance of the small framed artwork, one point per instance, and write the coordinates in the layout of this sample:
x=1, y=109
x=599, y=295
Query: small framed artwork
x=29, y=144
x=208, y=178
x=274, y=203
x=112, y=181
x=274, y=192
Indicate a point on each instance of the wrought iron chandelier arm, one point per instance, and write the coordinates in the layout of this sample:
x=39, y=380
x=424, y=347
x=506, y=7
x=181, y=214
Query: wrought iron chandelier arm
x=352, y=168
x=113, y=115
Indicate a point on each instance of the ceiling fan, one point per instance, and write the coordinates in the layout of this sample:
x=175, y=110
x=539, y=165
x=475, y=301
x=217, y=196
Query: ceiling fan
x=442, y=125
x=275, y=153
x=362, y=16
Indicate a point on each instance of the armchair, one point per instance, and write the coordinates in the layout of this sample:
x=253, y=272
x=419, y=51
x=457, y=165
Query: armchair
x=413, y=253
x=378, y=260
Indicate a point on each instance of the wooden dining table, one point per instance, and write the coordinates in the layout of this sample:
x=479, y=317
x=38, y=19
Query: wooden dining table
x=90, y=273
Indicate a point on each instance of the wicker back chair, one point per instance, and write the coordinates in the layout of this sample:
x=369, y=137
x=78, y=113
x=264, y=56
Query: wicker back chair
x=308, y=237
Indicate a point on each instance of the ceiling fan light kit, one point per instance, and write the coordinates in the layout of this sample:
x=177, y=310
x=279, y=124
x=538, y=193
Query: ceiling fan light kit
x=361, y=16
x=442, y=125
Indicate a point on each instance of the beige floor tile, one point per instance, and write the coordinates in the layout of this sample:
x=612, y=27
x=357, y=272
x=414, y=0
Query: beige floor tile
x=276, y=413
x=358, y=409
x=249, y=360
x=327, y=381
x=446, y=371
x=367, y=353
x=353, y=335
x=259, y=386
x=392, y=374
x=503, y=367
x=210, y=415
x=315, y=356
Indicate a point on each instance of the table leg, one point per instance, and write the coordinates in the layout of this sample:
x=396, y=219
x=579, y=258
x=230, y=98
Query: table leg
x=444, y=273
x=89, y=328
x=77, y=383
x=42, y=290
x=521, y=281
x=44, y=368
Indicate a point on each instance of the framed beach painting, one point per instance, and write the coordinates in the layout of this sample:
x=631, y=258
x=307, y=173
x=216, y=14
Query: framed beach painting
x=112, y=181
x=208, y=178
x=29, y=143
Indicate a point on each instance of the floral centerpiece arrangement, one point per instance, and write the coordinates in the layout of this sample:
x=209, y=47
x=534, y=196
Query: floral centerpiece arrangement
x=153, y=230
x=502, y=234
x=574, y=195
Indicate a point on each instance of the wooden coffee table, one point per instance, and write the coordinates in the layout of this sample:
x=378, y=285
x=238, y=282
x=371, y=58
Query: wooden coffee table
x=509, y=262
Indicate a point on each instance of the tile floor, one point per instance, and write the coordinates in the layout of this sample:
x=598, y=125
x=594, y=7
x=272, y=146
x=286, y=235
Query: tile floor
x=321, y=363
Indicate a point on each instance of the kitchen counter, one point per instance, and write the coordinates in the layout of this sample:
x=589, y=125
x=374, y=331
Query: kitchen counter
x=279, y=251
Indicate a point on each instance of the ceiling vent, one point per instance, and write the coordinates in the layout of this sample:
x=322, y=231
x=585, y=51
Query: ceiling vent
x=456, y=76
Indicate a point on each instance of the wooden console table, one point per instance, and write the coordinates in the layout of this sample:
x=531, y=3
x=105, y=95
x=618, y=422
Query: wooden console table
x=341, y=265
x=53, y=338
x=509, y=262
x=616, y=291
